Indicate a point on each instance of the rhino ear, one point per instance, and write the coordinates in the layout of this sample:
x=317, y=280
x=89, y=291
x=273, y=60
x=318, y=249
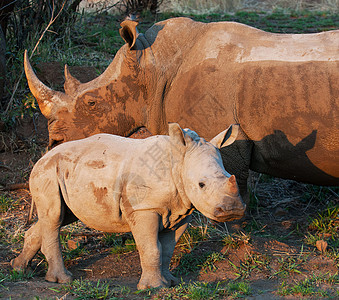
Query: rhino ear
x=176, y=134
x=129, y=32
x=71, y=83
x=226, y=137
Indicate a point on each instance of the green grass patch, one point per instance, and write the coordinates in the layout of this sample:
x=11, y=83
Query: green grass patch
x=327, y=222
x=14, y=275
x=70, y=253
x=205, y=290
x=210, y=262
x=85, y=289
x=251, y=263
x=6, y=203
x=312, y=286
x=289, y=265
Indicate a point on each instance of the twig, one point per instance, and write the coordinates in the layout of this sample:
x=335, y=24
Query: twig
x=52, y=20
x=16, y=186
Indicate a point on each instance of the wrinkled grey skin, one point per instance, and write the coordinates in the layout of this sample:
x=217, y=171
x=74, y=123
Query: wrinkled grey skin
x=149, y=187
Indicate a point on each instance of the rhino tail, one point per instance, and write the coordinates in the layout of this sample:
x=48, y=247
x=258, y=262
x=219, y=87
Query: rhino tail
x=29, y=217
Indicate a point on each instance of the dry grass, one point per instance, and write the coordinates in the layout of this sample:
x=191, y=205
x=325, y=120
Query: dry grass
x=222, y=6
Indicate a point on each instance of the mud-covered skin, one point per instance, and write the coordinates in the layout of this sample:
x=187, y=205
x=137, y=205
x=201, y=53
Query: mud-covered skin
x=281, y=88
x=147, y=186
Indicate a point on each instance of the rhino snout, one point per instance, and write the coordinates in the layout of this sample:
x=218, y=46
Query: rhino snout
x=230, y=211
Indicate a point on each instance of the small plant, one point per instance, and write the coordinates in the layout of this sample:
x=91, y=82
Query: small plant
x=326, y=222
x=128, y=246
x=237, y=289
x=193, y=235
x=234, y=241
x=209, y=264
x=191, y=262
x=5, y=203
x=251, y=262
x=14, y=275
x=70, y=253
x=289, y=265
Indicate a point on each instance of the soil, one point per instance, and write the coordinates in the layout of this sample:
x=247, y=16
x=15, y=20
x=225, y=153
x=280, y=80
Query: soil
x=274, y=230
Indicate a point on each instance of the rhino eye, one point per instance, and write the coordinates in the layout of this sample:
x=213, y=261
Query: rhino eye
x=91, y=103
x=201, y=184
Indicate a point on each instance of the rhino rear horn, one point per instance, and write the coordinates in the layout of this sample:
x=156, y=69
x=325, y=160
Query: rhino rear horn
x=71, y=83
x=129, y=32
x=40, y=91
x=226, y=137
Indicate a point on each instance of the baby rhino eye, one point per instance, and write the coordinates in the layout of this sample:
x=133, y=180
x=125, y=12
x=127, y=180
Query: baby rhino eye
x=201, y=184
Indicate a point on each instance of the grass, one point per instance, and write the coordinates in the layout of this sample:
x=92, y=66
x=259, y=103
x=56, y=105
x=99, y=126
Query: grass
x=311, y=286
x=205, y=290
x=251, y=263
x=85, y=289
x=6, y=203
x=14, y=276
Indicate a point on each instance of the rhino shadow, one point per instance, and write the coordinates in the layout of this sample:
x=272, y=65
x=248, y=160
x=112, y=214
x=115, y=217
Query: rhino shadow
x=275, y=155
x=152, y=33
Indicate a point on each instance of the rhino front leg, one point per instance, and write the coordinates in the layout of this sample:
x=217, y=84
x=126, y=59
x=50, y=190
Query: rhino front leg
x=32, y=245
x=168, y=240
x=145, y=230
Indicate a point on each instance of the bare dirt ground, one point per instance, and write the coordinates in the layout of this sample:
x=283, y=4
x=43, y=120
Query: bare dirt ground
x=267, y=250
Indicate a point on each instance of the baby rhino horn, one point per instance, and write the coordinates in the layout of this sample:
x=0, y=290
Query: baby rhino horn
x=232, y=186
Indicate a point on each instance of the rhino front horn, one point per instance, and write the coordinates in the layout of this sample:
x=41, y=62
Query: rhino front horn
x=40, y=91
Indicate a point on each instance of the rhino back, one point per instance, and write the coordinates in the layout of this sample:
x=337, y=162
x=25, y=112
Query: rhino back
x=282, y=90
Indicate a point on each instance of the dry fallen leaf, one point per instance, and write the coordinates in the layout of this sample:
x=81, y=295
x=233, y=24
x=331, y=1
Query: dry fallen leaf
x=321, y=245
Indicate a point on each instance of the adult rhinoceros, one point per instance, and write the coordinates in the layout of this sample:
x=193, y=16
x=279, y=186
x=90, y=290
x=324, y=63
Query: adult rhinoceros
x=282, y=89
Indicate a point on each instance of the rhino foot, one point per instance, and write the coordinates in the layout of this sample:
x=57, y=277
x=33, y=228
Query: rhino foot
x=152, y=282
x=172, y=280
x=18, y=265
x=64, y=277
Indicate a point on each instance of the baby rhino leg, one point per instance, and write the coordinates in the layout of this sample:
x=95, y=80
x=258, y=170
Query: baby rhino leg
x=32, y=245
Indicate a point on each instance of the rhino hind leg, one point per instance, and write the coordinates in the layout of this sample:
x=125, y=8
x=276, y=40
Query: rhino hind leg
x=52, y=250
x=32, y=245
x=52, y=217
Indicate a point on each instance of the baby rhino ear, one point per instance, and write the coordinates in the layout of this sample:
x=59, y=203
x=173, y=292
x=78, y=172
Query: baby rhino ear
x=176, y=134
x=226, y=137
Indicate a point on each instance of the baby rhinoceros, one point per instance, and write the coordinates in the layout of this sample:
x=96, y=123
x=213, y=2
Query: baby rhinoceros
x=149, y=187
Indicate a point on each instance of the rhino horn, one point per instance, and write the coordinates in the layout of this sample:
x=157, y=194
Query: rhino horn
x=71, y=83
x=40, y=91
x=226, y=137
x=129, y=32
x=232, y=186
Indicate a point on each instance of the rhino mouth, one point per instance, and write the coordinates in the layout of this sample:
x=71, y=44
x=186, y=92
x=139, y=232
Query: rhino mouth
x=230, y=217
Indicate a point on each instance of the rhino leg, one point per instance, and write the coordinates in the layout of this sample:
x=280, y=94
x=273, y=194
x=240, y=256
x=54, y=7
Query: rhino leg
x=168, y=240
x=52, y=250
x=51, y=212
x=145, y=229
x=32, y=245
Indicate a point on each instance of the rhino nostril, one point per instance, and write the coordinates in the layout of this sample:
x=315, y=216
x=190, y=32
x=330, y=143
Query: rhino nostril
x=219, y=211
